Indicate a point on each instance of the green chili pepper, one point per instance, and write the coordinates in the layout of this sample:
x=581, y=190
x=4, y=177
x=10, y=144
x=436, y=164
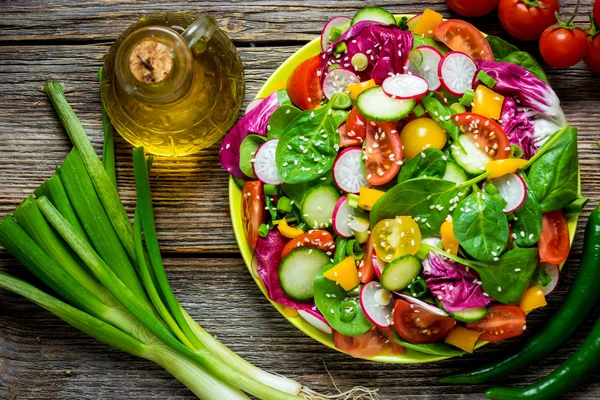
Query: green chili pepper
x=340, y=250
x=353, y=249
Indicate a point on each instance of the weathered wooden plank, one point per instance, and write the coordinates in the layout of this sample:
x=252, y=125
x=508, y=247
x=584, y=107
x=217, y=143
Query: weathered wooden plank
x=228, y=305
x=190, y=193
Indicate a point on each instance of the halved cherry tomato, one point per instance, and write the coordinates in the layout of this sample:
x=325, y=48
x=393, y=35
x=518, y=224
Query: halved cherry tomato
x=554, y=244
x=373, y=343
x=393, y=238
x=304, y=85
x=462, y=36
x=356, y=125
x=501, y=322
x=319, y=239
x=253, y=210
x=417, y=325
x=487, y=135
x=366, y=270
x=383, y=152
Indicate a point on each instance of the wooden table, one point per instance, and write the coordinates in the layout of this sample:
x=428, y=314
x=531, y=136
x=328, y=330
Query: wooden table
x=65, y=41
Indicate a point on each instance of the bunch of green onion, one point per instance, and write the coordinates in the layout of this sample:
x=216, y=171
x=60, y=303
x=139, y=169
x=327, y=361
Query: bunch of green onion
x=76, y=237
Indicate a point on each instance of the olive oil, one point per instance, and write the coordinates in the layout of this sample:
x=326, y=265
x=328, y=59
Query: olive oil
x=173, y=83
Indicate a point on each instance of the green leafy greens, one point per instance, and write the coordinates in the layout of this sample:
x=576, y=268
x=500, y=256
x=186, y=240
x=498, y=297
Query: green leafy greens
x=527, y=222
x=280, y=120
x=429, y=163
x=248, y=148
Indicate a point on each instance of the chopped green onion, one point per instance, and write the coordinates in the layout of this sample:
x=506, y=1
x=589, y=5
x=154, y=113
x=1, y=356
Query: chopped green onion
x=303, y=226
x=419, y=111
x=340, y=48
x=458, y=108
x=352, y=200
x=355, y=291
x=491, y=189
x=284, y=205
x=361, y=237
x=516, y=151
x=341, y=101
x=270, y=190
x=486, y=79
x=263, y=230
x=334, y=34
x=108, y=150
x=402, y=24
x=333, y=66
x=418, y=288
x=415, y=56
x=360, y=61
x=467, y=98
x=271, y=208
x=353, y=249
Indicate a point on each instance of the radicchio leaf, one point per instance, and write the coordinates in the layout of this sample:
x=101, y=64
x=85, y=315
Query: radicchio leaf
x=386, y=48
x=454, y=284
x=255, y=121
x=268, y=256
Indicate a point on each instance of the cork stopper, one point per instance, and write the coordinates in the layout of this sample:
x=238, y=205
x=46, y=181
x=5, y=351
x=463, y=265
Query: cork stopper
x=150, y=62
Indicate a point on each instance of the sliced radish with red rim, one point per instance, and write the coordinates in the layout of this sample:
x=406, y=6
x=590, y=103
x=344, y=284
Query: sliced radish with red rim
x=513, y=190
x=342, y=215
x=427, y=306
x=427, y=65
x=413, y=21
x=253, y=104
x=554, y=273
x=315, y=319
x=265, y=166
x=377, y=304
x=456, y=72
x=348, y=172
x=341, y=23
x=337, y=80
x=405, y=86
x=376, y=265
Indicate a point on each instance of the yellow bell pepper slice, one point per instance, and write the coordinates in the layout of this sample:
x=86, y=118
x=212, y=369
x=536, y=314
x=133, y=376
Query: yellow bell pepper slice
x=288, y=231
x=358, y=88
x=448, y=239
x=463, y=338
x=368, y=197
x=345, y=273
x=487, y=102
x=502, y=167
x=427, y=23
x=532, y=299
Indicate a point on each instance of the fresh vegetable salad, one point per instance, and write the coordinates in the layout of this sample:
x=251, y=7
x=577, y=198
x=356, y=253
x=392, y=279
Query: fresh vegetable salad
x=410, y=188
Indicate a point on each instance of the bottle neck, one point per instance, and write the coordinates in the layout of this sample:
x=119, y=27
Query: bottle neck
x=154, y=65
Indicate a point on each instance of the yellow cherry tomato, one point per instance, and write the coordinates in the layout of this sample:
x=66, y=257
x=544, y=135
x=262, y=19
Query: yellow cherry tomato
x=506, y=166
x=448, y=239
x=420, y=134
x=393, y=238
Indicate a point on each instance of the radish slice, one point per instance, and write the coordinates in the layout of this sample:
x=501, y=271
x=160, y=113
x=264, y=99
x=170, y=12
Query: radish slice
x=342, y=215
x=316, y=320
x=413, y=21
x=265, y=166
x=341, y=23
x=421, y=303
x=513, y=189
x=337, y=81
x=405, y=86
x=376, y=265
x=359, y=224
x=554, y=273
x=456, y=72
x=253, y=104
x=377, y=304
x=433, y=241
x=428, y=69
x=348, y=173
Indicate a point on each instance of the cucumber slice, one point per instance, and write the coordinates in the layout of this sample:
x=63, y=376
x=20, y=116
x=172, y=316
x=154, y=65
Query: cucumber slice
x=471, y=159
x=374, y=104
x=470, y=314
x=454, y=173
x=318, y=205
x=399, y=273
x=373, y=14
x=298, y=271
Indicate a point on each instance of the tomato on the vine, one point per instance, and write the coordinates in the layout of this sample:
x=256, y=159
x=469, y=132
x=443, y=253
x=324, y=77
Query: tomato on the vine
x=304, y=85
x=527, y=19
x=562, y=45
x=597, y=11
x=472, y=8
x=592, y=57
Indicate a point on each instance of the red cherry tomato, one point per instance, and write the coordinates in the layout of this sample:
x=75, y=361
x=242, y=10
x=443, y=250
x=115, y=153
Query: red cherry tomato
x=592, y=58
x=554, y=244
x=383, y=151
x=462, y=36
x=597, y=11
x=304, y=85
x=472, y=8
x=524, y=21
x=563, y=47
x=501, y=322
x=487, y=135
x=417, y=325
x=253, y=210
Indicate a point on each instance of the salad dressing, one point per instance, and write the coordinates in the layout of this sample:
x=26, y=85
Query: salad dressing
x=173, y=83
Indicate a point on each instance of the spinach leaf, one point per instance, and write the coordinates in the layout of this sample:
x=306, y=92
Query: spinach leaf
x=507, y=279
x=500, y=47
x=429, y=163
x=435, y=349
x=297, y=191
x=419, y=40
x=554, y=175
x=308, y=147
x=282, y=97
x=280, y=119
x=540, y=278
x=427, y=200
x=480, y=226
x=248, y=148
x=527, y=224
x=527, y=61
x=441, y=114
x=575, y=207
x=341, y=311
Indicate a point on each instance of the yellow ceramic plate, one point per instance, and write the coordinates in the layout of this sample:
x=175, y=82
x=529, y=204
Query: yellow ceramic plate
x=275, y=82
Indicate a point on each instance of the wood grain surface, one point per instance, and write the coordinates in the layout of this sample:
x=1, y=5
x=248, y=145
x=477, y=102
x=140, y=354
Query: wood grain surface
x=65, y=41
